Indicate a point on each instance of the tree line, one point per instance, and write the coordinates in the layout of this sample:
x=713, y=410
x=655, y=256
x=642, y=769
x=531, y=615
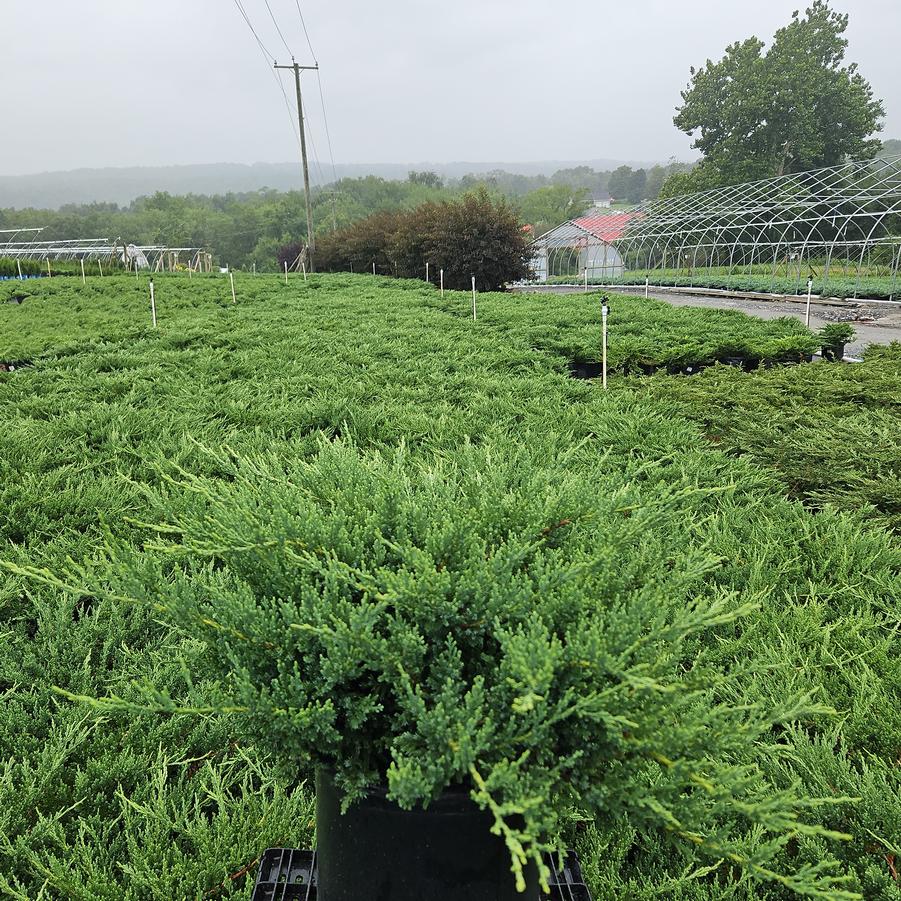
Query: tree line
x=246, y=229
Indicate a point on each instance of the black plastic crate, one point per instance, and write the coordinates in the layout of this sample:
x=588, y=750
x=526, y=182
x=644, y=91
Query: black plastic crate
x=566, y=884
x=287, y=874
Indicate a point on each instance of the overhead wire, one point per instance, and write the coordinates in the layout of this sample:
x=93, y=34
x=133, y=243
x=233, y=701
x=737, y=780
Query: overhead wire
x=316, y=157
x=270, y=60
x=328, y=136
x=291, y=115
x=275, y=23
x=257, y=38
x=305, y=32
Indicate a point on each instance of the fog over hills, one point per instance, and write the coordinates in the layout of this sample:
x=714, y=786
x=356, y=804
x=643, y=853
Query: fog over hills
x=50, y=190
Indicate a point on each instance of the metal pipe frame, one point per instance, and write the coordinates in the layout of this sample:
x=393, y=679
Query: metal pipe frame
x=805, y=217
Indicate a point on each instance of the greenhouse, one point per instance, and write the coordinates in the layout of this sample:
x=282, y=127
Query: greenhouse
x=839, y=227
x=582, y=244
x=25, y=248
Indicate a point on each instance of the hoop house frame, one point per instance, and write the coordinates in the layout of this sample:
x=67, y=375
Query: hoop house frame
x=836, y=224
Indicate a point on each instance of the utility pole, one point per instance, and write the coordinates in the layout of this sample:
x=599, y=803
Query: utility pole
x=311, y=241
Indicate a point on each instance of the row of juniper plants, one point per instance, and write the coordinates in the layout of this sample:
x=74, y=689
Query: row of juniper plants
x=841, y=286
x=338, y=523
x=12, y=268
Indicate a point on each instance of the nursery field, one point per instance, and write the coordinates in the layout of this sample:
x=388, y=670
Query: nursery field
x=339, y=520
x=838, y=283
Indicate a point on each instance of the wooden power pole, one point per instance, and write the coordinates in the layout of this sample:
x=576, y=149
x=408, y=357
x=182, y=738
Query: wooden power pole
x=311, y=240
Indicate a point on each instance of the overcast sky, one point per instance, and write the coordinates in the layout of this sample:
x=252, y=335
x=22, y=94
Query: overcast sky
x=154, y=82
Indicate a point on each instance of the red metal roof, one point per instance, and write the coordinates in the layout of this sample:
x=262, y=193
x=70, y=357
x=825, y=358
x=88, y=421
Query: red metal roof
x=609, y=226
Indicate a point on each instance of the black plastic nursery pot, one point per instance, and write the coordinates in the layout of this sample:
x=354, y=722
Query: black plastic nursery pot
x=788, y=360
x=684, y=368
x=738, y=360
x=585, y=369
x=834, y=352
x=13, y=365
x=379, y=852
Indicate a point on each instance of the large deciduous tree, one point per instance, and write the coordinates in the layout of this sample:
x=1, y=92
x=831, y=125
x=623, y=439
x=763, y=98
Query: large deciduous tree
x=797, y=106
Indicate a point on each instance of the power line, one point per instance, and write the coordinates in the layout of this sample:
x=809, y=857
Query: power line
x=315, y=154
x=281, y=87
x=306, y=33
x=328, y=136
x=256, y=37
x=269, y=58
x=311, y=237
x=275, y=23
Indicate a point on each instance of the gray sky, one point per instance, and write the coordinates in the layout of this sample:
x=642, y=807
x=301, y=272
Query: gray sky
x=155, y=82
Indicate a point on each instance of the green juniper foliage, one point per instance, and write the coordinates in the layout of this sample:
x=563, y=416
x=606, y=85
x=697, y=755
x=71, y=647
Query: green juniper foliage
x=876, y=283
x=486, y=621
x=763, y=501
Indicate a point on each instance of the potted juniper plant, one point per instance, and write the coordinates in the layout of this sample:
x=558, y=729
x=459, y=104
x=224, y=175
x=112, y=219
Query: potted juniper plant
x=736, y=352
x=833, y=337
x=789, y=350
x=459, y=649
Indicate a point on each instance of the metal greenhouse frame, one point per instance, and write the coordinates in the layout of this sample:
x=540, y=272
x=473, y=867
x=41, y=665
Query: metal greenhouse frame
x=837, y=224
x=155, y=257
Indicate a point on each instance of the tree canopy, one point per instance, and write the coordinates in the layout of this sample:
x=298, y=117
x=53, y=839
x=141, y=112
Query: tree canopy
x=794, y=107
x=477, y=234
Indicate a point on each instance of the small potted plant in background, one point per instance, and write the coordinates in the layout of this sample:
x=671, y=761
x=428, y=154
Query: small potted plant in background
x=833, y=337
x=461, y=649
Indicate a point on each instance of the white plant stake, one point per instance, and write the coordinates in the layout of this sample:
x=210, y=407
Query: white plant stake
x=809, y=292
x=373, y=268
x=586, y=279
x=647, y=288
x=473, y=298
x=286, y=272
x=604, y=311
x=49, y=273
x=304, y=270
x=231, y=275
x=19, y=267
x=100, y=268
x=152, y=304
x=84, y=281
x=442, y=283
x=426, y=271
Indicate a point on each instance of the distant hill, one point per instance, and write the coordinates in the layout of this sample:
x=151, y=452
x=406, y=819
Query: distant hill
x=51, y=190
